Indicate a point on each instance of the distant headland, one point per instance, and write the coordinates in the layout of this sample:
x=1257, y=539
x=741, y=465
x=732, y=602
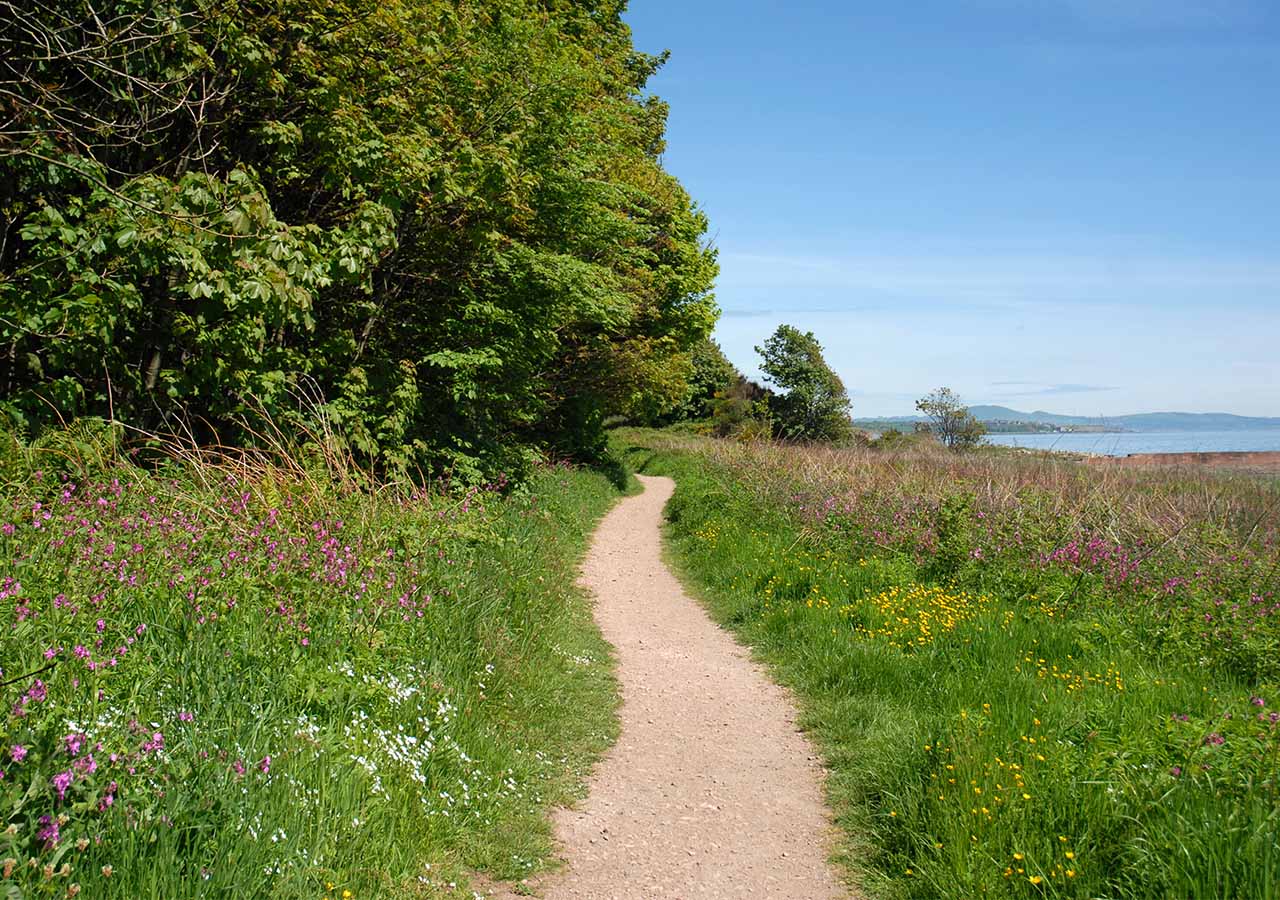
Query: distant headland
x=1003, y=420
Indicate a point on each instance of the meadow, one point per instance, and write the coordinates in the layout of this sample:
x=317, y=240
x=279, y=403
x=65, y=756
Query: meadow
x=1028, y=678
x=252, y=677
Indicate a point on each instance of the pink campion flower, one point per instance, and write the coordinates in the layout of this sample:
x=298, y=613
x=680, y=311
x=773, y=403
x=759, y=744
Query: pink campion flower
x=238, y=765
x=49, y=832
x=1257, y=701
x=1215, y=740
x=155, y=743
x=17, y=753
x=264, y=766
x=1176, y=771
x=74, y=742
x=61, y=782
x=101, y=625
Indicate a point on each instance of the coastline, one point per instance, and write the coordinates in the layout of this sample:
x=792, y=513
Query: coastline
x=1264, y=461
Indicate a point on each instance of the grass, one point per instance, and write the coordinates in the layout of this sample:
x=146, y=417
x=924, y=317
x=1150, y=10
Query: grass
x=1028, y=678
x=235, y=680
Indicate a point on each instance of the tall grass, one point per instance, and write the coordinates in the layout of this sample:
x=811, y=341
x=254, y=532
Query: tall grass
x=1029, y=678
x=239, y=676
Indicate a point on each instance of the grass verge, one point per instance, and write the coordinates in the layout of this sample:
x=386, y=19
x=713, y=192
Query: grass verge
x=1008, y=669
x=222, y=681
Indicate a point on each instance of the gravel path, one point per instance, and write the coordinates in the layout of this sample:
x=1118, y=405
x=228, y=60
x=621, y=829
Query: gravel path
x=710, y=791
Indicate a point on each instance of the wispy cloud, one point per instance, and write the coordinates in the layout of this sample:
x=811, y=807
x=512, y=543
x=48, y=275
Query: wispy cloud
x=1042, y=390
x=1015, y=282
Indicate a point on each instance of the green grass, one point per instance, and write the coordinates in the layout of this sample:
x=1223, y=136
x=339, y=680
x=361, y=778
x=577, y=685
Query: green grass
x=988, y=733
x=319, y=692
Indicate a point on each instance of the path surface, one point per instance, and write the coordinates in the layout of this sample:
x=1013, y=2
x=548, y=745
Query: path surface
x=710, y=791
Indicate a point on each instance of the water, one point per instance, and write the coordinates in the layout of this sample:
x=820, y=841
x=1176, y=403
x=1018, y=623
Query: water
x=1146, y=442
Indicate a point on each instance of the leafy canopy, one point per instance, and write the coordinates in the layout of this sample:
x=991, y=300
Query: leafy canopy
x=813, y=404
x=437, y=231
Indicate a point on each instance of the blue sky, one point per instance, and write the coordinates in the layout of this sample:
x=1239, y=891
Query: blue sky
x=1071, y=205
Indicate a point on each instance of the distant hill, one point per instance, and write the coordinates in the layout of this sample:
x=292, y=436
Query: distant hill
x=1157, y=421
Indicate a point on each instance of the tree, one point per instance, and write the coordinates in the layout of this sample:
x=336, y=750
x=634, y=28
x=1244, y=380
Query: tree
x=742, y=405
x=436, y=230
x=951, y=420
x=813, y=404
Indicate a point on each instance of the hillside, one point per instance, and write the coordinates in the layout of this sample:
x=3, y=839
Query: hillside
x=1155, y=421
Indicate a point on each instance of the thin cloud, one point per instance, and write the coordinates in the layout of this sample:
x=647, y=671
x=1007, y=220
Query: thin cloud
x=1054, y=389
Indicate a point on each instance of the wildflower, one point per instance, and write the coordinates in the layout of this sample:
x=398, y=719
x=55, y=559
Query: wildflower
x=73, y=889
x=1071, y=873
x=61, y=782
x=1176, y=771
x=264, y=766
x=17, y=753
x=1035, y=879
x=1070, y=855
x=106, y=871
x=8, y=867
x=49, y=832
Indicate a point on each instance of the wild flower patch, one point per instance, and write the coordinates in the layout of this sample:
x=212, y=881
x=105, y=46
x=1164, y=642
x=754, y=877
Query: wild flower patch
x=219, y=686
x=1030, y=679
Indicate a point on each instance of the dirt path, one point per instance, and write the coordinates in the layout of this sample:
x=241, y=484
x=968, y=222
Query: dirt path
x=710, y=791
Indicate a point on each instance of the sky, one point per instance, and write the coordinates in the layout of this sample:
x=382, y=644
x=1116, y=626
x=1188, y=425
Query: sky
x=1066, y=205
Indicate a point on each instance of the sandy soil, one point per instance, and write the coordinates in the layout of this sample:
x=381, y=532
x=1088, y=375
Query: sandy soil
x=710, y=791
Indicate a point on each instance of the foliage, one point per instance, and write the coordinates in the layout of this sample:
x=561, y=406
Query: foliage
x=439, y=231
x=1029, y=678
x=744, y=405
x=814, y=404
x=951, y=420
x=231, y=681
x=713, y=375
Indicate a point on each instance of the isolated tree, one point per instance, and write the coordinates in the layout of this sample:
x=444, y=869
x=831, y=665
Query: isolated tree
x=813, y=403
x=950, y=420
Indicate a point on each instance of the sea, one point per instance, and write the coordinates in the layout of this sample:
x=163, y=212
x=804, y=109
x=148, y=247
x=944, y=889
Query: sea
x=1124, y=443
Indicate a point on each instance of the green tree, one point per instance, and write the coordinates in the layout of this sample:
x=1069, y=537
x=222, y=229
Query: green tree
x=950, y=420
x=813, y=403
x=743, y=405
x=439, y=228
x=710, y=375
